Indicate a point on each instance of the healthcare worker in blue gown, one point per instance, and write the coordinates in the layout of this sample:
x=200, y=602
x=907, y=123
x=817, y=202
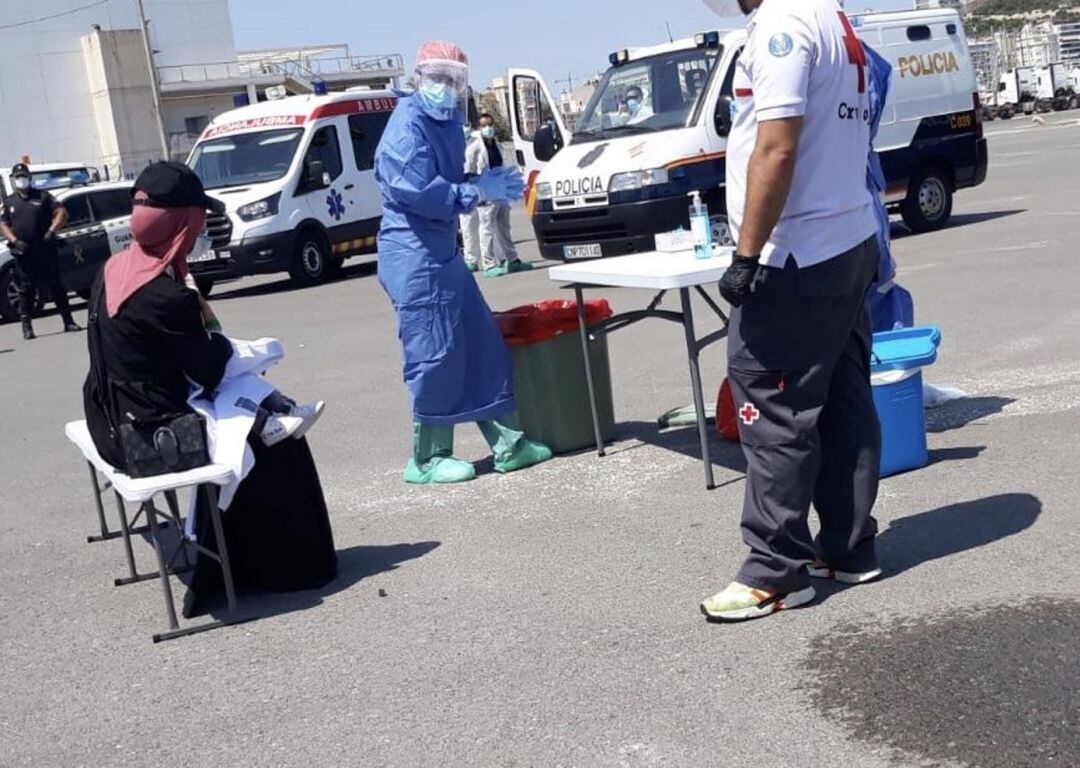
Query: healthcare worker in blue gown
x=457, y=367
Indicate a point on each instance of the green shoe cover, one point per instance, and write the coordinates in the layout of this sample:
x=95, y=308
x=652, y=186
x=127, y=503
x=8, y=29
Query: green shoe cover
x=472, y=265
x=498, y=271
x=517, y=265
x=526, y=454
x=440, y=470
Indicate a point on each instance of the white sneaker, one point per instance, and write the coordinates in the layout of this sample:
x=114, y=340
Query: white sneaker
x=278, y=428
x=309, y=413
x=820, y=570
x=738, y=602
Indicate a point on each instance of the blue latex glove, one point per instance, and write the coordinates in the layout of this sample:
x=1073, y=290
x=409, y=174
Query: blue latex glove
x=500, y=185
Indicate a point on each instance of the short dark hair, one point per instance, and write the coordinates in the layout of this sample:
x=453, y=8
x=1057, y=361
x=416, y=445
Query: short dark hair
x=488, y=115
x=634, y=88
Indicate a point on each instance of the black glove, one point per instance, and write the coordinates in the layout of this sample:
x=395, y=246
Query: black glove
x=737, y=284
x=19, y=247
x=50, y=236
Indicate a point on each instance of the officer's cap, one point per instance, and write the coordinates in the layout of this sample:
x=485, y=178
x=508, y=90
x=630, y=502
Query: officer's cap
x=20, y=169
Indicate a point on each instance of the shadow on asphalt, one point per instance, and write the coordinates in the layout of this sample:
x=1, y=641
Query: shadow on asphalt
x=900, y=230
x=682, y=440
x=354, y=565
x=350, y=272
x=940, y=455
x=912, y=541
x=959, y=413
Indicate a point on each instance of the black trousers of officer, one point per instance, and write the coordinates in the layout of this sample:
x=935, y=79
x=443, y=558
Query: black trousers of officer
x=799, y=365
x=37, y=271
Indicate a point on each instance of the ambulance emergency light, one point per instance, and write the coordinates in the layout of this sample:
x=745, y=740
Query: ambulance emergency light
x=707, y=39
x=619, y=57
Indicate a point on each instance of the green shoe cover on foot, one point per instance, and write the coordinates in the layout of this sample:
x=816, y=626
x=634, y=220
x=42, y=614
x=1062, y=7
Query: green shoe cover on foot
x=440, y=470
x=517, y=265
x=526, y=454
x=498, y=271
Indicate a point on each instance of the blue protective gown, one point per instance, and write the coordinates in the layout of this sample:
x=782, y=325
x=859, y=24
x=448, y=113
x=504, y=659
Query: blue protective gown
x=457, y=367
x=890, y=305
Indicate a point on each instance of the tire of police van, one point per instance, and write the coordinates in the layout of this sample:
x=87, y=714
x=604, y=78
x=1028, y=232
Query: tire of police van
x=9, y=295
x=205, y=285
x=929, y=202
x=311, y=258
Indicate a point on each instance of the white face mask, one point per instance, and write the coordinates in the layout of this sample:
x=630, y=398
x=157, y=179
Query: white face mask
x=203, y=244
x=22, y=183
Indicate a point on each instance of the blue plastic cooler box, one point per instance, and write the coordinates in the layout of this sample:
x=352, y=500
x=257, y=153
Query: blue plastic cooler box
x=896, y=375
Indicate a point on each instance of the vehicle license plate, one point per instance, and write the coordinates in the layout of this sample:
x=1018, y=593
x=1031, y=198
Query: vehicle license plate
x=208, y=256
x=587, y=251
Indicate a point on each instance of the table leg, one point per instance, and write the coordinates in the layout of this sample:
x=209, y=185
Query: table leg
x=170, y=607
x=584, y=329
x=695, y=383
x=125, y=530
x=106, y=534
x=222, y=550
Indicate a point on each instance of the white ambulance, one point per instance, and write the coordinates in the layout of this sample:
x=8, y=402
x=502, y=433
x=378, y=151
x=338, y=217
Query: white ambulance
x=298, y=182
x=656, y=129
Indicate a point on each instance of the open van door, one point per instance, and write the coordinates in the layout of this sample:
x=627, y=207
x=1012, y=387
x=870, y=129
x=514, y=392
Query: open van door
x=535, y=123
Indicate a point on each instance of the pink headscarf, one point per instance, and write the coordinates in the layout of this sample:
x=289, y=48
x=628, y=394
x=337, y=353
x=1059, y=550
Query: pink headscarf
x=163, y=238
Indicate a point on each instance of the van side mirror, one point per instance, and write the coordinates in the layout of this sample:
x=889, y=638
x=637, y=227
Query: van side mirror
x=315, y=176
x=723, y=115
x=547, y=142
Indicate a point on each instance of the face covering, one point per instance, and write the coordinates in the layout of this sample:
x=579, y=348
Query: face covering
x=203, y=244
x=633, y=105
x=488, y=131
x=438, y=95
x=22, y=183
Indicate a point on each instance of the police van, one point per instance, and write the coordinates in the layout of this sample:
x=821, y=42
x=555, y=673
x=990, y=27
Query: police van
x=298, y=182
x=656, y=128
x=99, y=225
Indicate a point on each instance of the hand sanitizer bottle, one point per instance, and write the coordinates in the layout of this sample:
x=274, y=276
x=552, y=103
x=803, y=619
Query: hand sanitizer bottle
x=700, y=227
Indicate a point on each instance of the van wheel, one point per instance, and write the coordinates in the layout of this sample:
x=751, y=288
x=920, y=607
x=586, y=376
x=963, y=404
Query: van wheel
x=929, y=201
x=205, y=285
x=9, y=295
x=721, y=231
x=310, y=261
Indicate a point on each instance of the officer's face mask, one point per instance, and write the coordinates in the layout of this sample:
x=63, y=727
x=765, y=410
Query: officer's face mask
x=633, y=105
x=488, y=131
x=22, y=183
x=203, y=244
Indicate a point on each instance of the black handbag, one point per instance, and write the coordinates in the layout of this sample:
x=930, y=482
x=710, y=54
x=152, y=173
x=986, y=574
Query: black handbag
x=173, y=444
x=176, y=445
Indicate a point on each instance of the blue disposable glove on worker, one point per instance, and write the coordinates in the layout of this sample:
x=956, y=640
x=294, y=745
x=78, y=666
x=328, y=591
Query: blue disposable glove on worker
x=500, y=185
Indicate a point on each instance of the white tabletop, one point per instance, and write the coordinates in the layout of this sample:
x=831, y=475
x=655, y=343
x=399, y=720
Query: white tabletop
x=654, y=269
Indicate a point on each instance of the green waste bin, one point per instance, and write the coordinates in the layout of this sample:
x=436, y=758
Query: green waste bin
x=550, y=386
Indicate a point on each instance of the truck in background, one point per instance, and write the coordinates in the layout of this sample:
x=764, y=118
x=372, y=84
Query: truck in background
x=1016, y=93
x=1055, y=89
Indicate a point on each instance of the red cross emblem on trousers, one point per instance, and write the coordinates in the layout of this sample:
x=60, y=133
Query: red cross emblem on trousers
x=749, y=414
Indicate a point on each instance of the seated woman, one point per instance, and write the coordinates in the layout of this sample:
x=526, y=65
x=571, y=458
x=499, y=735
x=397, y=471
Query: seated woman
x=148, y=334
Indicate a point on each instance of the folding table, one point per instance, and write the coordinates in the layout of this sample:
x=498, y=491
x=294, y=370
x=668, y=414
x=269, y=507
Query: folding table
x=662, y=272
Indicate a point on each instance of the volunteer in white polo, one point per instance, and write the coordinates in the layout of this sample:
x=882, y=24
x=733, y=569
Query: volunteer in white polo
x=800, y=338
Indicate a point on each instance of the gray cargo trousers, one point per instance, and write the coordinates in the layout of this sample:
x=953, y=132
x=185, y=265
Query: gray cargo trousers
x=799, y=366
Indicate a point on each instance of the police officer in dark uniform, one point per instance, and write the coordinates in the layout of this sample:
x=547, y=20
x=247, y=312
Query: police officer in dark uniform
x=30, y=221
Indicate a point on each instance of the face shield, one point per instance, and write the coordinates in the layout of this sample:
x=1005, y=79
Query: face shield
x=442, y=78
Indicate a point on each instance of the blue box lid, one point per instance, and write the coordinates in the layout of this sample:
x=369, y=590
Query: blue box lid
x=905, y=349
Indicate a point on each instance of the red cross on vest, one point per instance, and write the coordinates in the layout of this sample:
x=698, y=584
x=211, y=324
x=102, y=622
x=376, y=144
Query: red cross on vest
x=749, y=414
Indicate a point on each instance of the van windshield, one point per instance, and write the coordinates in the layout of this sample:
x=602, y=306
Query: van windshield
x=646, y=95
x=246, y=158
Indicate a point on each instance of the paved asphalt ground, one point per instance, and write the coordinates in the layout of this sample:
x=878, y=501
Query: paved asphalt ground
x=550, y=618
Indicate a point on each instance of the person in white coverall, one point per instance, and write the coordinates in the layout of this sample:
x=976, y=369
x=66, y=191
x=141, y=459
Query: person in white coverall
x=470, y=222
x=498, y=255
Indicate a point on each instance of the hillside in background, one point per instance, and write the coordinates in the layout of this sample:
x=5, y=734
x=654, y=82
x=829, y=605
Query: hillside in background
x=985, y=16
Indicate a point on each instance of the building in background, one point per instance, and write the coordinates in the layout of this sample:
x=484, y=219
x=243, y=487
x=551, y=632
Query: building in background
x=1069, y=43
x=77, y=86
x=572, y=101
x=1037, y=45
